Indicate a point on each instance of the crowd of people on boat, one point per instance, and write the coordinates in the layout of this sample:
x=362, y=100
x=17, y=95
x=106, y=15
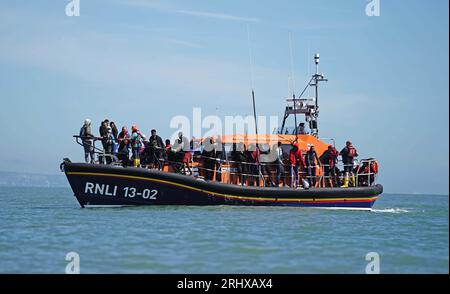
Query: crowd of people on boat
x=293, y=167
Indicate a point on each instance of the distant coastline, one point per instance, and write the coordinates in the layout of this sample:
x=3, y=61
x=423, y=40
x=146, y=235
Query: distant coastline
x=18, y=179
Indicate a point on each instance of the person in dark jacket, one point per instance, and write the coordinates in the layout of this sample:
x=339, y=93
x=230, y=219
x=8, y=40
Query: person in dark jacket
x=209, y=161
x=312, y=161
x=155, y=148
x=239, y=159
x=329, y=161
x=115, y=135
x=114, y=130
x=107, y=140
x=221, y=157
x=124, y=140
x=103, y=125
x=103, y=130
x=167, y=149
x=266, y=163
x=156, y=140
x=253, y=157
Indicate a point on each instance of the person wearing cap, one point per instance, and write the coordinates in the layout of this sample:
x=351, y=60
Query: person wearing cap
x=348, y=154
x=312, y=161
x=87, y=141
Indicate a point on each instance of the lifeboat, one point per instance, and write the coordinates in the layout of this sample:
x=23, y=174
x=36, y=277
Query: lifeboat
x=219, y=180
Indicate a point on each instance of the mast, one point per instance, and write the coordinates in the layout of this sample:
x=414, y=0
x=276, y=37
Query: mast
x=252, y=81
x=307, y=106
x=316, y=78
x=254, y=113
x=253, y=100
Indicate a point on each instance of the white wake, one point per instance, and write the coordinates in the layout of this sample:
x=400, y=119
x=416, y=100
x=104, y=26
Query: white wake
x=391, y=210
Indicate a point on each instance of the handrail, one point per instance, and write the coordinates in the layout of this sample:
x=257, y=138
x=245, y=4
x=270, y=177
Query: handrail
x=227, y=168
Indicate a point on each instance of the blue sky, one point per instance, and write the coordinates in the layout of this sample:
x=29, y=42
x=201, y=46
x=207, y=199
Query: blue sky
x=147, y=61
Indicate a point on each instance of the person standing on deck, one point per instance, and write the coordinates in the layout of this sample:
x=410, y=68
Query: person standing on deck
x=329, y=160
x=348, y=154
x=208, y=157
x=103, y=126
x=183, y=154
x=238, y=156
x=103, y=130
x=255, y=158
x=312, y=161
x=296, y=159
x=87, y=140
x=279, y=164
x=115, y=134
x=156, y=146
x=109, y=143
x=124, y=139
x=136, y=144
x=221, y=157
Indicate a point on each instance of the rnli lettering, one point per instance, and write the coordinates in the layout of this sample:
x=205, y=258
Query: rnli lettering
x=115, y=191
x=100, y=189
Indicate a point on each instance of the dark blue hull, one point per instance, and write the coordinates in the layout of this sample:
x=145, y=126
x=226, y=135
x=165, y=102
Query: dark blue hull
x=107, y=185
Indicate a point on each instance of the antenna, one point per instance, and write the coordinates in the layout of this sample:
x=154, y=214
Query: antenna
x=292, y=62
x=251, y=78
x=293, y=85
x=307, y=59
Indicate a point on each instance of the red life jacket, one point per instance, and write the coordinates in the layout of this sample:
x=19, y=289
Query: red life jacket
x=333, y=153
x=374, y=167
x=352, y=152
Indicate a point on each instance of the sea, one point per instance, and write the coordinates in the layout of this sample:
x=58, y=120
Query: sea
x=44, y=230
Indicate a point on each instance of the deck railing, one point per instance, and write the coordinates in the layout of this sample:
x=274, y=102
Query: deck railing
x=247, y=173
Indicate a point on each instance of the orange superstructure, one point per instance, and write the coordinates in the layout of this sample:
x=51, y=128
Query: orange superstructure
x=301, y=140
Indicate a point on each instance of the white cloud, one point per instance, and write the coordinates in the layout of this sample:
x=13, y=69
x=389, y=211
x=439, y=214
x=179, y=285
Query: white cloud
x=151, y=4
x=182, y=43
x=221, y=16
x=166, y=6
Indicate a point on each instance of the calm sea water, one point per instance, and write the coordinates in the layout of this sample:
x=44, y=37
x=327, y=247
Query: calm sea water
x=39, y=226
